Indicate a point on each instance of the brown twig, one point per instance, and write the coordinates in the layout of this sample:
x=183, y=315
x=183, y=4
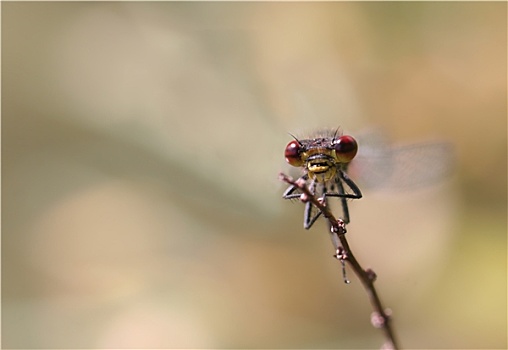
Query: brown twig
x=380, y=318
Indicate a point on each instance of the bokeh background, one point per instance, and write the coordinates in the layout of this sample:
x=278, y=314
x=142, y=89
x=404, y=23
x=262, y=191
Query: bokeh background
x=141, y=144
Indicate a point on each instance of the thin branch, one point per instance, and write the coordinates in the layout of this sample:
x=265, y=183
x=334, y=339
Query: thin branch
x=380, y=318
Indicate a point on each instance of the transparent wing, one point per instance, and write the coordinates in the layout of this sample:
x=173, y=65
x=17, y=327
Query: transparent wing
x=381, y=166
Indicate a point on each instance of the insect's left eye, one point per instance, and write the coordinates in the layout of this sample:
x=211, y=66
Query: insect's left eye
x=292, y=153
x=345, y=148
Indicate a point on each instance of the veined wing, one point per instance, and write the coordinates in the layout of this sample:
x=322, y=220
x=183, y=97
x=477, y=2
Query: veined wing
x=381, y=166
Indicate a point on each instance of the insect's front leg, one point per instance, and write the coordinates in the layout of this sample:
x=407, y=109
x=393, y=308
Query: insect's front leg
x=342, y=178
x=357, y=194
x=288, y=194
x=311, y=213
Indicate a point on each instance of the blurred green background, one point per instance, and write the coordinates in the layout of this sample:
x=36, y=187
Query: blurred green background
x=141, y=144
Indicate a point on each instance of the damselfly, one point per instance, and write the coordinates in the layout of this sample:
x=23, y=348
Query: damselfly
x=329, y=158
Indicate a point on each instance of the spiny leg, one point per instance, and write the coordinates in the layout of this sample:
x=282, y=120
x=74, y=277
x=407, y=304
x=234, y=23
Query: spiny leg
x=288, y=194
x=343, y=201
x=342, y=194
x=309, y=218
x=357, y=194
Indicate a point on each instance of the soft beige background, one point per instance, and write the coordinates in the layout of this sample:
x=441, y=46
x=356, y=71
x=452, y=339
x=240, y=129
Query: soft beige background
x=140, y=149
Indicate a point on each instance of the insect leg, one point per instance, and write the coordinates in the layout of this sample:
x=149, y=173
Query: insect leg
x=288, y=194
x=342, y=177
x=342, y=194
x=343, y=201
x=309, y=217
x=357, y=194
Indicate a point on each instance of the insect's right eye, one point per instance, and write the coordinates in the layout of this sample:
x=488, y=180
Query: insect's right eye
x=292, y=153
x=345, y=148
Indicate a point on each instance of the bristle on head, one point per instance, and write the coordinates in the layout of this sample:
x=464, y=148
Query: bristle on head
x=332, y=133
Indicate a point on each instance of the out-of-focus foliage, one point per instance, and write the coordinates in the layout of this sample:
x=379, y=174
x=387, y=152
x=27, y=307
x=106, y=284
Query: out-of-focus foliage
x=140, y=149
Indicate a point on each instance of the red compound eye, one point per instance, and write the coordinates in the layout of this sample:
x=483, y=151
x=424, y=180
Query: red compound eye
x=292, y=153
x=345, y=148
